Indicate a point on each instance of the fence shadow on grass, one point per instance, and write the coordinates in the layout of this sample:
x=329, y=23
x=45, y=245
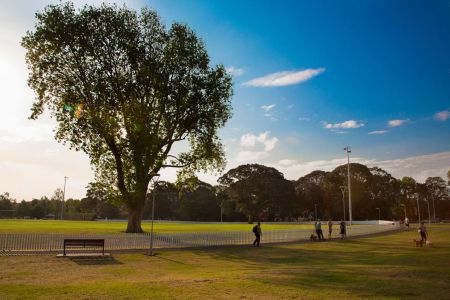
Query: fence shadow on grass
x=95, y=260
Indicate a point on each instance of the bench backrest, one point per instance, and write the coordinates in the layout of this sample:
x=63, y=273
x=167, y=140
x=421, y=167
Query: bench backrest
x=84, y=242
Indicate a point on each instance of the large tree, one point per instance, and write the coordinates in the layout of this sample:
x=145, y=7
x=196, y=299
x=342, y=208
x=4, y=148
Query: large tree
x=260, y=192
x=124, y=89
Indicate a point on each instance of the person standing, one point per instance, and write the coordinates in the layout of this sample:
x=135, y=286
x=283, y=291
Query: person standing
x=423, y=232
x=407, y=223
x=330, y=228
x=319, y=230
x=343, y=230
x=257, y=231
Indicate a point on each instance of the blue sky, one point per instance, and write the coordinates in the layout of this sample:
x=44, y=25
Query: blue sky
x=310, y=77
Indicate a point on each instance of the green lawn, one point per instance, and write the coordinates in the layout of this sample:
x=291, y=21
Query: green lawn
x=383, y=267
x=56, y=226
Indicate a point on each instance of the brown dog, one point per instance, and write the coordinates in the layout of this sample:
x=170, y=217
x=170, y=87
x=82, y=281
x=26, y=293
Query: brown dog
x=418, y=243
x=313, y=237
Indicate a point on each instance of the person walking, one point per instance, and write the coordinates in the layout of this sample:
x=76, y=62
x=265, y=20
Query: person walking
x=330, y=228
x=343, y=230
x=257, y=231
x=319, y=230
x=407, y=223
x=423, y=232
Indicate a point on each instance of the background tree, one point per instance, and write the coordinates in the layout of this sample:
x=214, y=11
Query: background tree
x=167, y=201
x=199, y=204
x=438, y=195
x=124, y=90
x=260, y=192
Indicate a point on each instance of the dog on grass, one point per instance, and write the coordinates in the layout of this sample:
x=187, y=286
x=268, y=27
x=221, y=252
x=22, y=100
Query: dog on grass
x=418, y=243
x=429, y=243
x=313, y=237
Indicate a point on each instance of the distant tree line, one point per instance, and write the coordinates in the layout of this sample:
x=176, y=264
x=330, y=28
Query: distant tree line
x=255, y=192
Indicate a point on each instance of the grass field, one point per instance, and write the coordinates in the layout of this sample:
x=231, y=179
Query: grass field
x=57, y=226
x=383, y=267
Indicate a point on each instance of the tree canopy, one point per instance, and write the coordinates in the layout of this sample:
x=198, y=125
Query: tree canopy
x=124, y=89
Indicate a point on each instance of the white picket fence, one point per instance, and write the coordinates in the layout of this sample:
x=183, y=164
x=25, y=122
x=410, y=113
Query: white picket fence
x=26, y=243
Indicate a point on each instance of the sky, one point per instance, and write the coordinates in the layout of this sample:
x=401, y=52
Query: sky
x=310, y=78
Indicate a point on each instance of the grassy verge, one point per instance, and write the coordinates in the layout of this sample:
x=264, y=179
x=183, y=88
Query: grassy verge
x=384, y=267
x=57, y=226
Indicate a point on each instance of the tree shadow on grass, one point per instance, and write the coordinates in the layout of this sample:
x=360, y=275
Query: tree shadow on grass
x=95, y=260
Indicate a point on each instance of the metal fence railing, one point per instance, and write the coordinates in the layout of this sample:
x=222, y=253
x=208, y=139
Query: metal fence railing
x=30, y=243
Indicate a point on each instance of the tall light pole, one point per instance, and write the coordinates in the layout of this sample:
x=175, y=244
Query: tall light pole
x=379, y=214
x=64, y=197
x=404, y=206
x=343, y=189
x=434, y=213
x=418, y=207
x=155, y=178
x=315, y=210
x=348, y=150
x=429, y=215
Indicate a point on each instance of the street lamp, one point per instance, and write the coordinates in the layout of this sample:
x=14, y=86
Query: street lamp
x=343, y=189
x=379, y=214
x=315, y=210
x=155, y=178
x=64, y=196
x=429, y=215
x=348, y=150
x=416, y=195
x=404, y=206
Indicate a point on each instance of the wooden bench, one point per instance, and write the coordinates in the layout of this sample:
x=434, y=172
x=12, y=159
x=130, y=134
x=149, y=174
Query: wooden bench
x=84, y=243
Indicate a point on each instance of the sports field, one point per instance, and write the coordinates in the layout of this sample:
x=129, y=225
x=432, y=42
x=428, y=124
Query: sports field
x=57, y=226
x=383, y=267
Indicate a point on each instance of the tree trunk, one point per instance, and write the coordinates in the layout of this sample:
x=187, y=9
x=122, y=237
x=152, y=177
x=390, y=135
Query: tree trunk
x=134, y=220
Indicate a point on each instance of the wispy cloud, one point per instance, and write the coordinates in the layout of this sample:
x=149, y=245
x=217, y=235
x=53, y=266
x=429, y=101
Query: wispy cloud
x=250, y=140
x=248, y=156
x=378, y=132
x=268, y=108
x=419, y=167
x=396, y=123
x=284, y=78
x=233, y=71
x=350, y=124
x=304, y=119
x=442, y=115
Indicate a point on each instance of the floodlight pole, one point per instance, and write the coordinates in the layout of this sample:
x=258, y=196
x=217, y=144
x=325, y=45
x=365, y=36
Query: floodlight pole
x=434, y=213
x=429, y=215
x=404, y=206
x=343, y=188
x=315, y=210
x=348, y=150
x=64, y=197
x=418, y=206
x=153, y=212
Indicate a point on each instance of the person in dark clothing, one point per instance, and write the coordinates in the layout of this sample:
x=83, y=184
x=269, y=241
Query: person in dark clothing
x=342, y=229
x=257, y=231
x=423, y=232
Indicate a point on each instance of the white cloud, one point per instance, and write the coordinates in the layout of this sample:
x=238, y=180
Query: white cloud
x=249, y=140
x=350, y=124
x=269, y=143
x=267, y=108
x=249, y=156
x=284, y=78
x=419, y=167
x=396, y=123
x=235, y=71
x=286, y=162
x=442, y=115
x=378, y=132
